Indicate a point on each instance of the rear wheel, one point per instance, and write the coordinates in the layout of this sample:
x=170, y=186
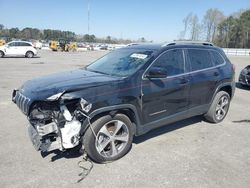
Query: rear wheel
x=1, y=54
x=112, y=139
x=219, y=108
x=29, y=54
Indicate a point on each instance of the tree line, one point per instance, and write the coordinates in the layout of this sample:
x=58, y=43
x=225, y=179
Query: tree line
x=228, y=32
x=34, y=33
x=50, y=34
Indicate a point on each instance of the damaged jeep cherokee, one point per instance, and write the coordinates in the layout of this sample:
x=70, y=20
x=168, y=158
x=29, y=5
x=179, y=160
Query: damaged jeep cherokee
x=124, y=94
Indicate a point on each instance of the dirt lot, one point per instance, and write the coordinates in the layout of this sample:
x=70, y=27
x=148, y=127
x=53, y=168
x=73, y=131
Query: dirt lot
x=190, y=153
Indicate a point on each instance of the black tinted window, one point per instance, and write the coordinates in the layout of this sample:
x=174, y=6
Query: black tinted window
x=216, y=57
x=23, y=44
x=12, y=44
x=172, y=61
x=199, y=59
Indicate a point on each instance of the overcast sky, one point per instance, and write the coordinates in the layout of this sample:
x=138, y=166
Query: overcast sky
x=157, y=20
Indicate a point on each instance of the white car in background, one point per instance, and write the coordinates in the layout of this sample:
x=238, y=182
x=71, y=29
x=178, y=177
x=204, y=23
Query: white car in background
x=18, y=48
x=38, y=45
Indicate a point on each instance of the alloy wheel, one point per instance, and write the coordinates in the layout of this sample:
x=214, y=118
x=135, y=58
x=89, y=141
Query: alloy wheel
x=112, y=138
x=222, y=107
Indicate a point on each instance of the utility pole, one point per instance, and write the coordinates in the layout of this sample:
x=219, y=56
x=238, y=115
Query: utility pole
x=88, y=15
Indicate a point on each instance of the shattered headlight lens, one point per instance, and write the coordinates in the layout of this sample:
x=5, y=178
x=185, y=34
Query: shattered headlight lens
x=86, y=107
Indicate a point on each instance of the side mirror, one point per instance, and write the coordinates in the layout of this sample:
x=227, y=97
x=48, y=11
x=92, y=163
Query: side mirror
x=156, y=72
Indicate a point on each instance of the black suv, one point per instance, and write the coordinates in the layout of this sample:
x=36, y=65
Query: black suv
x=127, y=92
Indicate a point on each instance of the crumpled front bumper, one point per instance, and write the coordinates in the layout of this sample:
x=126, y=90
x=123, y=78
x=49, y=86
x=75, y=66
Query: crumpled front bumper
x=42, y=143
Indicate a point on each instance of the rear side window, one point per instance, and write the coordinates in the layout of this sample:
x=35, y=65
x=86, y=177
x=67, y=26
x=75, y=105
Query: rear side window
x=172, y=61
x=216, y=58
x=199, y=59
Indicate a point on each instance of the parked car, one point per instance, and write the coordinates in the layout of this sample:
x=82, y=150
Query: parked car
x=101, y=47
x=18, y=48
x=244, y=78
x=38, y=45
x=126, y=93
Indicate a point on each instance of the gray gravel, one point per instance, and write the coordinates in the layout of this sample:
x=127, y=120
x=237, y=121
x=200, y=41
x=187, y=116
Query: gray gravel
x=190, y=153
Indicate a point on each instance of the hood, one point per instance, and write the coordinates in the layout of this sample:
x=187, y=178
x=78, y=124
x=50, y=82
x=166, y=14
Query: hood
x=65, y=82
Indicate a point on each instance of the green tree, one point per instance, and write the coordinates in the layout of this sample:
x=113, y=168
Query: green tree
x=245, y=29
x=14, y=33
x=211, y=20
x=1, y=27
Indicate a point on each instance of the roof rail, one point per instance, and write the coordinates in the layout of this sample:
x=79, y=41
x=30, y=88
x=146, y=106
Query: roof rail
x=188, y=42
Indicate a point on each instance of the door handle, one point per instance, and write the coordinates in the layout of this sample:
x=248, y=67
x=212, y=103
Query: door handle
x=216, y=74
x=183, y=81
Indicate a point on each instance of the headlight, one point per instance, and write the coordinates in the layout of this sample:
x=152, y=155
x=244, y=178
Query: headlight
x=54, y=97
x=86, y=107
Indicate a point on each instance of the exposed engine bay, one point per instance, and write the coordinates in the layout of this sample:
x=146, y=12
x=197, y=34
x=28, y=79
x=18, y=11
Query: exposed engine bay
x=57, y=124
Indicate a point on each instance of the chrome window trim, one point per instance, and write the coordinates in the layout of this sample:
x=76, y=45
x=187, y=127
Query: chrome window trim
x=184, y=56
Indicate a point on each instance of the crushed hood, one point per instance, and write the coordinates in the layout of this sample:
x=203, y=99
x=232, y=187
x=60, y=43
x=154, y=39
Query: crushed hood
x=65, y=82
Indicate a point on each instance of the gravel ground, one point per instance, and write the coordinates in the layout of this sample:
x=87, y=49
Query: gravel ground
x=190, y=153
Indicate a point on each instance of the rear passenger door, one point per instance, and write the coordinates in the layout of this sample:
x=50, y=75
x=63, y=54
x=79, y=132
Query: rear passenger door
x=204, y=77
x=22, y=48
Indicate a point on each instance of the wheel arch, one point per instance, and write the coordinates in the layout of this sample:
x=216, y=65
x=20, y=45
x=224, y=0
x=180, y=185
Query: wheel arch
x=3, y=52
x=227, y=87
x=126, y=109
x=29, y=51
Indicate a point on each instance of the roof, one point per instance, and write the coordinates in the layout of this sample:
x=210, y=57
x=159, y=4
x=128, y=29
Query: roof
x=175, y=44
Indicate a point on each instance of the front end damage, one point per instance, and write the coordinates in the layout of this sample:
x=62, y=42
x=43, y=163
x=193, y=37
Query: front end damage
x=57, y=122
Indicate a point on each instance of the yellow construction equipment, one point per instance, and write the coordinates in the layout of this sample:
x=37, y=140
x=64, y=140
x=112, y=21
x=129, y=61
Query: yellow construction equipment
x=63, y=45
x=54, y=45
x=2, y=42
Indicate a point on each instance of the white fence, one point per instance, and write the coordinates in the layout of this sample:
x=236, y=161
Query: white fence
x=237, y=51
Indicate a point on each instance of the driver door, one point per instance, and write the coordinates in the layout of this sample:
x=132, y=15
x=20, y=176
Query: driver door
x=163, y=97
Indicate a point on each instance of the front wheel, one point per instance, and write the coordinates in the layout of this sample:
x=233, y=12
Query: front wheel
x=111, y=140
x=1, y=54
x=29, y=54
x=219, y=108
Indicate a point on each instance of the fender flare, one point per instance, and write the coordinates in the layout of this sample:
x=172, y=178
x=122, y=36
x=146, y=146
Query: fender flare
x=98, y=111
x=232, y=85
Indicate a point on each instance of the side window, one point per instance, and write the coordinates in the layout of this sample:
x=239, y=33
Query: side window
x=26, y=44
x=172, y=61
x=23, y=44
x=217, y=58
x=199, y=59
x=12, y=44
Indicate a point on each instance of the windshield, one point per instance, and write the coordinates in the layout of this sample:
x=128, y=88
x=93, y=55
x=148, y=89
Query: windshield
x=122, y=62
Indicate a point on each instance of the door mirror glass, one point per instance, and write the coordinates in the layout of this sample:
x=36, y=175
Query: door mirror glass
x=156, y=72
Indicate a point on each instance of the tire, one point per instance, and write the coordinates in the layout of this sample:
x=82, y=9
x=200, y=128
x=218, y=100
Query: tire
x=1, y=54
x=108, y=147
x=29, y=54
x=219, y=108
